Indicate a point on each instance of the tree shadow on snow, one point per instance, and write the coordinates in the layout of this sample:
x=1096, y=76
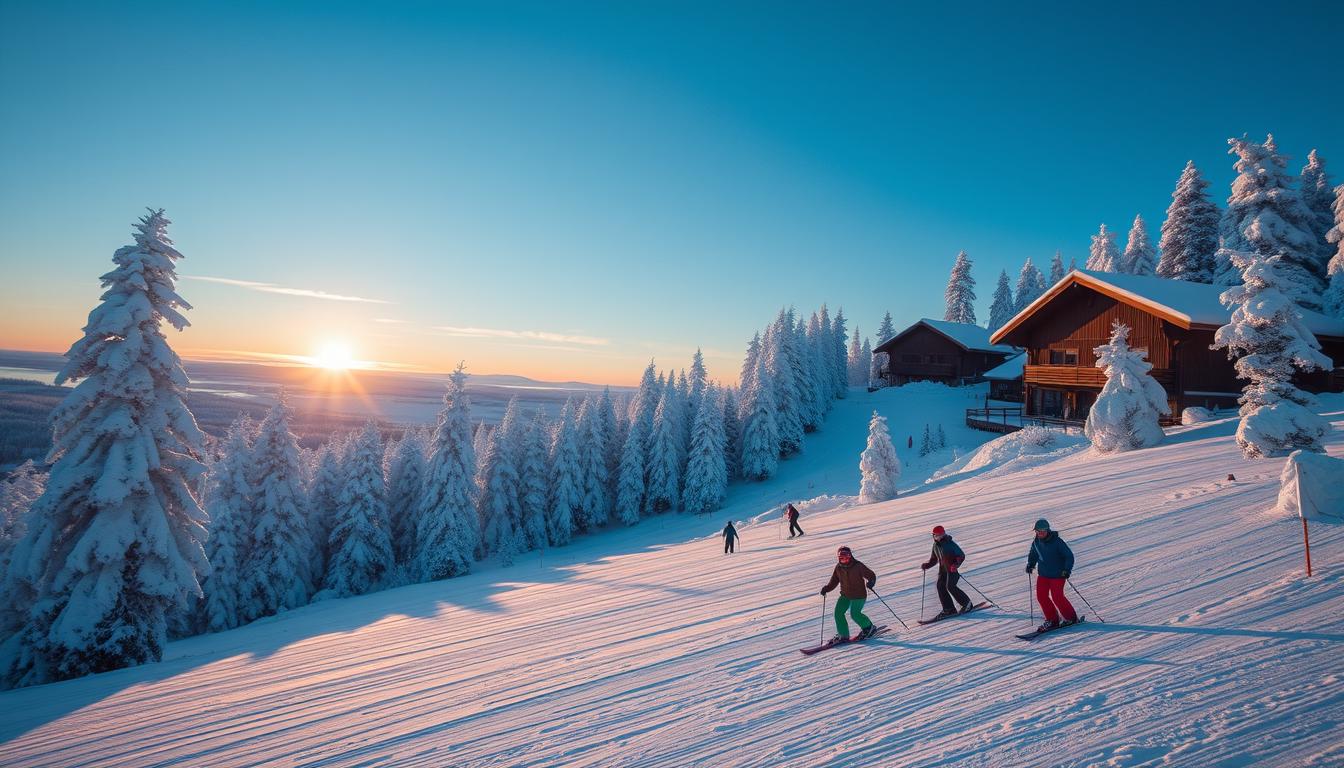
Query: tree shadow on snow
x=1267, y=634
x=1034, y=651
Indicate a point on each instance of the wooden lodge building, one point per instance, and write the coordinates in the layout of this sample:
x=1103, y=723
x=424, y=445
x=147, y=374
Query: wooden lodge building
x=939, y=350
x=1173, y=320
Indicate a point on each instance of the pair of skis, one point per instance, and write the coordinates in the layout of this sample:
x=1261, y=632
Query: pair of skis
x=941, y=616
x=881, y=630
x=1039, y=632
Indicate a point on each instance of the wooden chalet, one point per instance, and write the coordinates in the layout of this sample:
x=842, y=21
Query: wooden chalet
x=1172, y=320
x=939, y=350
x=1005, y=381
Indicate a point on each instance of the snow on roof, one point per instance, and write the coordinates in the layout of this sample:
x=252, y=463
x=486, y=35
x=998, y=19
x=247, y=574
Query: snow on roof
x=1009, y=370
x=967, y=335
x=1184, y=303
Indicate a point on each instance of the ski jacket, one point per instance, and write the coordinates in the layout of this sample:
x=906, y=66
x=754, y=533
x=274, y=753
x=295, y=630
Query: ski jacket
x=946, y=554
x=853, y=580
x=793, y=514
x=729, y=532
x=1051, y=555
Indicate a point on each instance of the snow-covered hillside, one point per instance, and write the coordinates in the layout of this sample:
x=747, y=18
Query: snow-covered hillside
x=650, y=647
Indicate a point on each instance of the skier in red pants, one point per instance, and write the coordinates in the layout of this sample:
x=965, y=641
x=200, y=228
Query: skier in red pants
x=1056, y=562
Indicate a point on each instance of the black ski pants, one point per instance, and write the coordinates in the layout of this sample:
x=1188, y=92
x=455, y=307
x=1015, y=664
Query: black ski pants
x=947, y=589
x=728, y=542
x=795, y=529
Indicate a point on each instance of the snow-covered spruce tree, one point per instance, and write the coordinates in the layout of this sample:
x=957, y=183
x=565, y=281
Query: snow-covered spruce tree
x=646, y=401
x=1333, y=300
x=115, y=541
x=960, y=292
x=817, y=342
x=732, y=434
x=361, y=540
x=856, y=364
x=760, y=434
x=1265, y=215
x=926, y=445
x=867, y=356
x=699, y=378
x=808, y=368
x=781, y=377
x=837, y=359
x=707, y=471
x=1266, y=330
x=1030, y=286
x=277, y=570
x=324, y=494
x=1319, y=198
x=1056, y=268
x=630, y=483
x=1125, y=416
x=446, y=529
x=878, y=464
x=596, y=504
x=1138, y=258
x=1103, y=257
x=17, y=494
x=1003, y=308
x=405, y=489
x=499, y=508
x=1190, y=233
x=566, y=508
x=534, y=478
x=613, y=439
x=880, y=359
x=940, y=439
x=663, y=471
x=228, y=501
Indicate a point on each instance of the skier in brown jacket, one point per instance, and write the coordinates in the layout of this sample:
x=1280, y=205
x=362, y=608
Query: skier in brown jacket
x=854, y=579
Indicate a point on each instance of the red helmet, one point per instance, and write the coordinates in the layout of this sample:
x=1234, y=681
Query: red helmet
x=938, y=530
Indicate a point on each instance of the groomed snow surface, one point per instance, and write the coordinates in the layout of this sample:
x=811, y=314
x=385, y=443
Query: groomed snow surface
x=649, y=647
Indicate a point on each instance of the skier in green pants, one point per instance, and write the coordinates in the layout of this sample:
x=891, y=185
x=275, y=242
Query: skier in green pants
x=854, y=579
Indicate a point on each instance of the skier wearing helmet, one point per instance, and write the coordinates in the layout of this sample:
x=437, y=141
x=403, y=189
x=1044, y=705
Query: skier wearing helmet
x=948, y=557
x=1056, y=563
x=854, y=579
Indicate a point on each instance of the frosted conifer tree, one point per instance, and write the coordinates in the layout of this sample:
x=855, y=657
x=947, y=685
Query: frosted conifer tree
x=596, y=503
x=1030, y=286
x=857, y=364
x=115, y=540
x=1319, y=200
x=324, y=493
x=645, y=403
x=361, y=540
x=1138, y=258
x=630, y=486
x=837, y=358
x=228, y=501
x=706, y=471
x=534, y=479
x=405, y=490
x=808, y=369
x=1103, y=257
x=880, y=359
x=732, y=434
x=698, y=378
x=499, y=508
x=1003, y=308
x=815, y=347
x=1265, y=215
x=750, y=359
x=277, y=571
x=446, y=531
x=1125, y=416
x=780, y=375
x=612, y=440
x=1333, y=299
x=566, y=506
x=926, y=445
x=1190, y=233
x=760, y=434
x=866, y=355
x=940, y=438
x=17, y=494
x=1056, y=268
x=878, y=464
x=664, y=477
x=960, y=292
x=1266, y=330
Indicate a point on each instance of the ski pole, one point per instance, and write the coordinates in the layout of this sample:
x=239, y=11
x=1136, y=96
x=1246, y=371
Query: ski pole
x=923, y=587
x=1031, y=607
x=893, y=613
x=823, y=618
x=978, y=592
x=1089, y=605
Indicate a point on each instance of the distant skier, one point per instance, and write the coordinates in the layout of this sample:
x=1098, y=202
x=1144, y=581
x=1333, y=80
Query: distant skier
x=948, y=557
x=729, y=537
x=792, y=512
x=1056, y=562
x=854, y=579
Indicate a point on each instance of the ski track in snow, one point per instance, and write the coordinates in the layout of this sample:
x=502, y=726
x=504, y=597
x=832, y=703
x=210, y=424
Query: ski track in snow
x=649, y=647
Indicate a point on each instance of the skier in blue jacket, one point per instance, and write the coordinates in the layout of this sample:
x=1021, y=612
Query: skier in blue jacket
x=1055, y=560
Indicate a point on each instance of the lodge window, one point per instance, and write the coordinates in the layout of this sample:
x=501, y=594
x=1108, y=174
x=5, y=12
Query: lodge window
x=1063, y=357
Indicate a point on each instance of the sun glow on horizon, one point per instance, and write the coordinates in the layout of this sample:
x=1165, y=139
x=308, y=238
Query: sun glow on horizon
x=334, y=356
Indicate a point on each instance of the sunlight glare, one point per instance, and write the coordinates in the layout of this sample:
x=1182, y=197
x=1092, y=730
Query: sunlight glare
x=334, y=356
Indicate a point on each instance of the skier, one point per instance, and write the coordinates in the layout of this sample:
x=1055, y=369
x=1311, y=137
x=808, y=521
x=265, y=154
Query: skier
x=948, y=557
x=1056, y=562
x=792, y=512
x=729, y=537
x=854, y=579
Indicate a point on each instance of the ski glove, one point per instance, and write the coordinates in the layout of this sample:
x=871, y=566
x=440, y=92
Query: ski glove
x=872, y=583
x=1030, y=568
x=1064, y=574
x=925, y=566
x=951, y=569
x=823, y=591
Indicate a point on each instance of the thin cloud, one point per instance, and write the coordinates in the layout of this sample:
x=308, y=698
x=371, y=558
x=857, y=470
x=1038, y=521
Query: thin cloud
x=542, y=336
x=283, y=290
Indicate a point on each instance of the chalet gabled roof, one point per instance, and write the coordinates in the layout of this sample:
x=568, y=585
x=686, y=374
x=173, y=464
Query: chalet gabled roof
x=1184, y=304
x=1010, y=369
x=970, y=337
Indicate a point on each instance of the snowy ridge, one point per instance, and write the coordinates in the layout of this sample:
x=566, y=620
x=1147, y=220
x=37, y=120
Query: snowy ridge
x=660, y=650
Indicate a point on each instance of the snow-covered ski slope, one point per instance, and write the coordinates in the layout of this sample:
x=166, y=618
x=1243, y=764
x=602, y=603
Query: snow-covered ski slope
x=1216, y=650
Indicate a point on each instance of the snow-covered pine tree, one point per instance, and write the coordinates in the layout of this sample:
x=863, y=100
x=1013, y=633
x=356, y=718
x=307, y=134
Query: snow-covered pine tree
x=960, y=292
x=566, y=501
x=663, y=471
x=534, y=476
x=699, y=378
x=811, y=390
x=324, y=493
x=1319, y=199
x=446, y=531
x=480, y=446
x=1125, y=416
x=1003, y=308
x=17, y=494
x=817, y=344
x=361, y=542
x=596, y=503
x=878, y=464
x=500, y=509
x=1073, y=264
x=837, y=358
x=1056, y=268
x=630, y=485
x=1190, y=233
x=866, y=354
x=780, y=375
x=405, y=489
x=926, y=445
x=880, y=359
x=228, y=502
x=1030, y=286
x=1333, y=300
x=1103, y=257
x=760, y=433
x=1266, y=330
x=1138, y=258
x=856, y=365
x=732, y=434
x=707, y=471
x=115, y=540
x=940, y=438
x=277, y=572
x=1265, y=215
x=750, y=359
x=613, y=439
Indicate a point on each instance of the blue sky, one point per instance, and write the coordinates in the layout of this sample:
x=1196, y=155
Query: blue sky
x=563, y=190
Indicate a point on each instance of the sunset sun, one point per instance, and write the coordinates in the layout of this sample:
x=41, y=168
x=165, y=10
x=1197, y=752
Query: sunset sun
x=334, y=356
